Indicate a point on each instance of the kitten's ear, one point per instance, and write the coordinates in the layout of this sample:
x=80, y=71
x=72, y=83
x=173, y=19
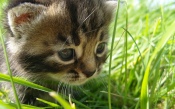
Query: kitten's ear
x=111, y=5
x=22, y=16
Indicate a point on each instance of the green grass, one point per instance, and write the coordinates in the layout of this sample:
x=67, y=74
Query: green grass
x=142, y=67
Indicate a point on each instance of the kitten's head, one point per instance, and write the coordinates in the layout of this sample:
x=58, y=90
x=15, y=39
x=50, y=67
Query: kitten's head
x=64, y=40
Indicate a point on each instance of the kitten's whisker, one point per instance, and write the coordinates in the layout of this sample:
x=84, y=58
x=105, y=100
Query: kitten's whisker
x=66, y=90
x=103, y=81
x=23, y=97
x=59, y=87
x=71, y=91
x=87, y=17
x=65, y=42
x=81, y=88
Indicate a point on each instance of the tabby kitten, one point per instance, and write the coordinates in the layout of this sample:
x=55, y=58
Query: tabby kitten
x=52, y=41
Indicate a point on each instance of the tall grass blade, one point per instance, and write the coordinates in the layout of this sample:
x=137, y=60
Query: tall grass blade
x=9, y=71
x=144, y=96
x=24, y=82
x=110, y=57
x=126, y=53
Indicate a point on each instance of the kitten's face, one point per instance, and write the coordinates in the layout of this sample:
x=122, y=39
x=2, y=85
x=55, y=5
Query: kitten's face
x=65, y=41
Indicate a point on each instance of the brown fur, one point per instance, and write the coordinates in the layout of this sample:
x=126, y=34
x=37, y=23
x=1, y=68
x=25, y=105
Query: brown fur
x=38, y=29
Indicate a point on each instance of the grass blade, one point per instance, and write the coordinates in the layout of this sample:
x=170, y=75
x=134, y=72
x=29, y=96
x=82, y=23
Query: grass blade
x=9, y=71
x=65, y=104
x=24, y=82
x=144, y=96
x=110, y=57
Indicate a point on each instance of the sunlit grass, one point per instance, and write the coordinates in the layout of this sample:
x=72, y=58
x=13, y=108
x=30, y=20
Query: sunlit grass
x=142, y=69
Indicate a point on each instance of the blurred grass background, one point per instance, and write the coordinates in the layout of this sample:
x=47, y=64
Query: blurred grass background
x=143, y=72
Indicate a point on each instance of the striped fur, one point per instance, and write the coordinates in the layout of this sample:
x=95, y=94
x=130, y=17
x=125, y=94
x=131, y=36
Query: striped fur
x=37, y=30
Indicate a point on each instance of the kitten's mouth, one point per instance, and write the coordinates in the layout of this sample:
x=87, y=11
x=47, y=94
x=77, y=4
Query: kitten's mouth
x=72, y=77
x=74, y=74
x=76, y=78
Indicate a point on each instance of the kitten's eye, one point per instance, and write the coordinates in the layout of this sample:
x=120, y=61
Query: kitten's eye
x=100, y=48
x=66, y=54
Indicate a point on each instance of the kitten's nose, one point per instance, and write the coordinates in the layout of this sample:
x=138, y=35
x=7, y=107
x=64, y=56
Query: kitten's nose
x=87, y=67
x=86, y=73
x=89, y=73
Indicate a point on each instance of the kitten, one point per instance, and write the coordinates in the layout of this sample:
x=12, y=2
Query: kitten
x=52, y=41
